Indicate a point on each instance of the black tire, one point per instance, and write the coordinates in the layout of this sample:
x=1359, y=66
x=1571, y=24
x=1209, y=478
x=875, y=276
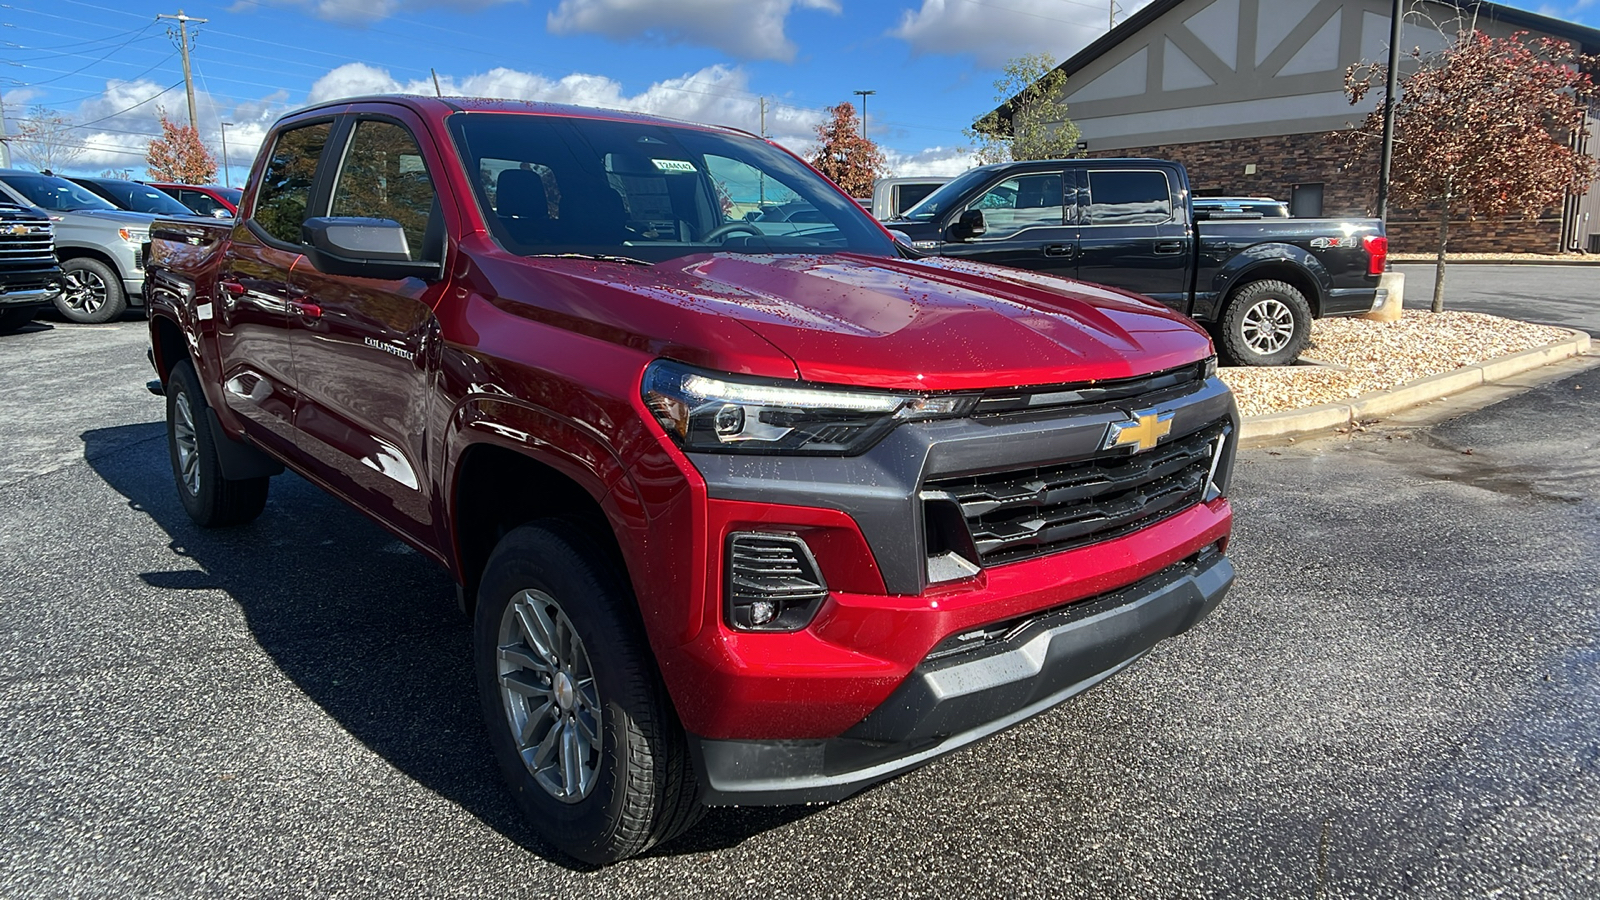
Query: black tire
x=642, y=790
x=211, y=500
x=15, y=319
x=91, y=292
x=1266, y=323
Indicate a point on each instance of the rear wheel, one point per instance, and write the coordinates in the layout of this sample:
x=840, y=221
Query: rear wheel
x=212, y=500
x=91, y=292
x=578, y=718
x=1266, y=323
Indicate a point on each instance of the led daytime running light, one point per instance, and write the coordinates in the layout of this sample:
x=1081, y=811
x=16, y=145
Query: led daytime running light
x=706, y=388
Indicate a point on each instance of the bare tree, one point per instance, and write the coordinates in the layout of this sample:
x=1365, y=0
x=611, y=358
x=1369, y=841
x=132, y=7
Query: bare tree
x=45, y=140
x=1483, y=128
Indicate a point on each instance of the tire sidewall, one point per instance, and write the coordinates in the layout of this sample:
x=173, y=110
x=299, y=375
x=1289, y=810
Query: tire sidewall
x=116, y=299
x=522, y=562
x=1250, y=296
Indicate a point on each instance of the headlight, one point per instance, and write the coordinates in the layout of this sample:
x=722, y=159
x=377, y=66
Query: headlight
x=133, y=235
x=710, y=412
x=1209, y=367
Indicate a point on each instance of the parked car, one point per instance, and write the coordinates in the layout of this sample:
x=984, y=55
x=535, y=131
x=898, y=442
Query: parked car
x=891, y=197
x=30, y=278
x=1239, y=208
x=134, y=196
x=1129, y=224
x=204, y=199
x=100, y=246
x=742, y=518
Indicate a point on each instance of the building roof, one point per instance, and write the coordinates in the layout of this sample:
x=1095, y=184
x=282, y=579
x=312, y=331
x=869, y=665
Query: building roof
x=1587, y=39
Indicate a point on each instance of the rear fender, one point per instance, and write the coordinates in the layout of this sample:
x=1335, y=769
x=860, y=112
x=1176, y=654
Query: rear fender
x=1281, y=262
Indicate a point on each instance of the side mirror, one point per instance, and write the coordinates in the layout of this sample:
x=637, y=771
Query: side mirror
x=363, y=248
x=969, y=226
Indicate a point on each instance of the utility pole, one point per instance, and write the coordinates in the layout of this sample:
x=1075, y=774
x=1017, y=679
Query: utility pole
x=436, y=91
x=761, y=196
x=183, y=46
x=225, y=181
x=1112, y=10
x=1396, y=21
x=864, y=95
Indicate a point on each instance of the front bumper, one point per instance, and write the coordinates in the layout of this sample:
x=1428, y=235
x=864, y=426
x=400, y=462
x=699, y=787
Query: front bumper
x=29, y=287
x=959, y=695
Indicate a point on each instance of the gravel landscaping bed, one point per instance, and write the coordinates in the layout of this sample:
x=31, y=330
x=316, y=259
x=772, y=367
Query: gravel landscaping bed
x=1363, y=356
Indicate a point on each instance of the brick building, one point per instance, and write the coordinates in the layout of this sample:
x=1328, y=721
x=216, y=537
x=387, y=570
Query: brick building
x=1249, y=95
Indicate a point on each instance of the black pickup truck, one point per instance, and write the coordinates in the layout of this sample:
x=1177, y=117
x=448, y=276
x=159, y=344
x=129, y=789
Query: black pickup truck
x=30, y=276
x=1128, y=223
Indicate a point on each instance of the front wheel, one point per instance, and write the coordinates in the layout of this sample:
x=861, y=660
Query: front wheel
x=1266, y=323
x=210, y=499
x=578, y=719
x=91, y=292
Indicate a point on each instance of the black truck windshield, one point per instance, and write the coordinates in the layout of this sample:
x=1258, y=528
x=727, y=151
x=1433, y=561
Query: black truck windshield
x=50, y=192
x=551, y=185
x=952, y=192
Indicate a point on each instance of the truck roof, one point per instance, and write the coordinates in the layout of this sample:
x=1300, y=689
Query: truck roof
x=424, y=103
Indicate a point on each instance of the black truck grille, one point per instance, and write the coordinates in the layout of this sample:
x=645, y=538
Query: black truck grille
x=1024, y=513
x=25, y=239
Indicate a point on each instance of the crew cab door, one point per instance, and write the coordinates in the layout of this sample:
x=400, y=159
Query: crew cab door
x=1134, y=233
x=1025, y=220
x=364, y=348
x=254, y=291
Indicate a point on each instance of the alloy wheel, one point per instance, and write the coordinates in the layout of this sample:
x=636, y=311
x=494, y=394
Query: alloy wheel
x=1268, y=326
x=188, y=444
x=551, y=701
x=84, y=291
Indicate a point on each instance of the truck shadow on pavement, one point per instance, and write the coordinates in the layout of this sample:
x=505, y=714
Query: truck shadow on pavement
x=364, y=625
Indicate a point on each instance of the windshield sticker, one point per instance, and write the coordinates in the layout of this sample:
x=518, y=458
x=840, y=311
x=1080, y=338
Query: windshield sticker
x=674, y=165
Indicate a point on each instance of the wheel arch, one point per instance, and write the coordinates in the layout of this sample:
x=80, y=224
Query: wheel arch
x=1275, y=262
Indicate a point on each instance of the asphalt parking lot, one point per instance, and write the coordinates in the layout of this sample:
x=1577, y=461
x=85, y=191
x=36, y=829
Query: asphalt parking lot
x=1400, y=699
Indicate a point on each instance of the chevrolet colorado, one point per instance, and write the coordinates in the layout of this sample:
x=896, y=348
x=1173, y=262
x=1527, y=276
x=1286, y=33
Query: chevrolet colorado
x=1130, y=224
x=742, y=516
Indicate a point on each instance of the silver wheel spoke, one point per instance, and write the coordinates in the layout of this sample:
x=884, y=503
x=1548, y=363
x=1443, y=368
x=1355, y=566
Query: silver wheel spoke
x=571, y=759
x=520, y=682
x=520, y=657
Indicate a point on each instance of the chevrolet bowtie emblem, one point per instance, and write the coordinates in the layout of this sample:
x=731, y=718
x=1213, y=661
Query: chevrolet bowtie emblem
x=1142, y=432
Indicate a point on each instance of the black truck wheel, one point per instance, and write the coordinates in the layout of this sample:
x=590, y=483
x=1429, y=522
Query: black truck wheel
x=211, y=500
x=91, y=292
x=578, y=718
x=1266, y=323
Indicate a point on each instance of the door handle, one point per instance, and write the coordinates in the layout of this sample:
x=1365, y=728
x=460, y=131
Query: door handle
x=309, y=310
x=232, y=287
x=1059, y=250
x=1169, y=247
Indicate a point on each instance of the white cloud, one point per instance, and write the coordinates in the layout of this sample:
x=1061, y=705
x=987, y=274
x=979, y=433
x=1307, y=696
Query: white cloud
x=932, y=161
x=744, y=29
x=994, y=31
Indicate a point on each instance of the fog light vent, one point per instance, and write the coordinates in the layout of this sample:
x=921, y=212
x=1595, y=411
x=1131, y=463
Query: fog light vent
x=773, y=582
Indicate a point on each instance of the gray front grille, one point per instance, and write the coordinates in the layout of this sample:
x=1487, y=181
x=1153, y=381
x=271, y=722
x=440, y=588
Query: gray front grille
x=1020, y=514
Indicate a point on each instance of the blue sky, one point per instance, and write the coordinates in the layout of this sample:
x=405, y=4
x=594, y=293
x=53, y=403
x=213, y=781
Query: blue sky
x=110, y=65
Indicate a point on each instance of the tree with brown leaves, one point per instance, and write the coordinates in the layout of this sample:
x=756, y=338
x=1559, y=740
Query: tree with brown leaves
x=1483, y=128
x=179, y=156
x=852, y=160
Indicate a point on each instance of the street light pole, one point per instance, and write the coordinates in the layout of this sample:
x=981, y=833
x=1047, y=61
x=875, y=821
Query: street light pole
x=1396, y=21
x=225, y=181
x=864, y=95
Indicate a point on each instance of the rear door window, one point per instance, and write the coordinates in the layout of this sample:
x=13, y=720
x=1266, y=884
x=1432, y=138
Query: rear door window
x=286, y=182
x=1128, y=197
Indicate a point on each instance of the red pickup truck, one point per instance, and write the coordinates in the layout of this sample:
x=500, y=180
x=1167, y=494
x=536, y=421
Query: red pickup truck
x=746, y=512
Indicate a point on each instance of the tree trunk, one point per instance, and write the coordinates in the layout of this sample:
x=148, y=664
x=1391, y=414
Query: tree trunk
x=1438, y=269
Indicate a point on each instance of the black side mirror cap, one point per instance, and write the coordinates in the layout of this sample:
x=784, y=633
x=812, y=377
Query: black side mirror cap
x=969, y=226
x=363, y=248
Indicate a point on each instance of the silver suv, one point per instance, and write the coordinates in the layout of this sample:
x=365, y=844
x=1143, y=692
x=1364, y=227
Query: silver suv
x=100, y=246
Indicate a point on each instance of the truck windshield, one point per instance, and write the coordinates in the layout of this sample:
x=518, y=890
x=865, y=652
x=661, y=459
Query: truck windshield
x=651, y=191
x=138, y=197
x=50, y=192
x=950, y=193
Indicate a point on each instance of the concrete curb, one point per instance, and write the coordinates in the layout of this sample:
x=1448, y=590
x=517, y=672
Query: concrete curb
x=1315, y=419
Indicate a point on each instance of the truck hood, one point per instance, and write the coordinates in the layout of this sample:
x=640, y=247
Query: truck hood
x=106, y=218
x=934, y=324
